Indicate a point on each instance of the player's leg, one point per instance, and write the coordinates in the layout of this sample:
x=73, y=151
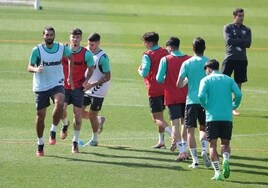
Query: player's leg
x=157, y=108
x=40, y=126
x=57, y=95
x=95, y=107
x=203, y=136
x=225, y=135
x=42, y=102
x=65, y=122
x=191, y=124
x=77, y=123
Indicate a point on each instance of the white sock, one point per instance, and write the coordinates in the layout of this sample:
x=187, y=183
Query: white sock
x=216, y=167
x=168, y=130
x=184, y=145
x=76, y=135
x=204, y=145
x=194, y=155
x=40, y=141
x=161, y=138
x=65, y=121
x=226, y=156
x=53, y=128
x=181, y=147
x=95, y=137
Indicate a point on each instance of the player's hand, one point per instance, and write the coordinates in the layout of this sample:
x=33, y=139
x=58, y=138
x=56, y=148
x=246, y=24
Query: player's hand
x=39, y=69
x=87, y=86
x=70, y=82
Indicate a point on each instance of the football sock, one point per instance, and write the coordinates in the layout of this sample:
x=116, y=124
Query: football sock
x=40, y=141
x=161, y=138
x=216, y=166
x=76, y=135
x=184, y=145
x=204, y=145
x=226, y=156
x=180, y=147
x=168, y=130
x=53, y=128
x=65, y=121
x=95, y=137
x=194, y=155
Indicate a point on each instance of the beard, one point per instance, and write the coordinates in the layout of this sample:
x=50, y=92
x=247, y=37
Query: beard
x=49, y=41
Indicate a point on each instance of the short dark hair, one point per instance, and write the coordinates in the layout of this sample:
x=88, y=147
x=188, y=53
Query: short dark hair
x=199, y=45
x=94, y=37
x=151, y=37
x=173, y=42
x=213, y=64
x=237, y=10
x=48, y=28
x=76, y=31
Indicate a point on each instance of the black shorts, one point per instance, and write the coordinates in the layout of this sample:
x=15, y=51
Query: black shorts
x=42, y=98
x=75, y=97
x=194, y=112
x=94, y=102
x=238, y=67
x=157, y=104
x=176, y=111
x=219, y=129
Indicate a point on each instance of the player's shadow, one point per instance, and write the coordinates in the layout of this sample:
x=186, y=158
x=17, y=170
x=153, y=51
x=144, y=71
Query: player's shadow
x=121, y=163
x=155, y=151
x=248, y=183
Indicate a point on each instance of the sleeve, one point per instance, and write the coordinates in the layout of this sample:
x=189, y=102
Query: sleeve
x=67, y=51
x=145, y=66
x=237, y=95
x=105, y=63
x=202, y=92
x=34, y=57
x=162, y=70
x=230, y=39
x=247, y=38
x=183, y=71
x=89, y=59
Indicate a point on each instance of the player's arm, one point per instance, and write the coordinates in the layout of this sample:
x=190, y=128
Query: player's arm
x=105, y=64
x=182, y=80
x=230, y=39
x=67, y=53
x=162, y=70
x=34, y=65
x=90, y=66
x=202, y=93
x=237, y=95
x=248, y=38
x=145, y=66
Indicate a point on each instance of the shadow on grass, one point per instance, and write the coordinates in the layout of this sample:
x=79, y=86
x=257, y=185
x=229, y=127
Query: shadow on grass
x=249, y=158
x=248, y=183
x=155, y=151
x=253, y=116
x=126, y=164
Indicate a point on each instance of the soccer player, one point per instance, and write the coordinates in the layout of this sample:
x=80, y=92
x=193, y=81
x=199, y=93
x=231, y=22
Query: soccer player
x=174, y=97
x=46, y=66
x=215, y=95
x=237, y=37
x=193, y=70
x=148, y=70
x=83, y=60
x=96, y=88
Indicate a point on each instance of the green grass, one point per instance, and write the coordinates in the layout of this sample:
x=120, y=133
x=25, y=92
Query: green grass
x=125, y=157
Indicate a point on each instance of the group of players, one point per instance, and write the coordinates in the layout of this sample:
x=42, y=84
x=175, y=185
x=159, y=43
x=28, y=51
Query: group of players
x=69, y=74
x=193, y=89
